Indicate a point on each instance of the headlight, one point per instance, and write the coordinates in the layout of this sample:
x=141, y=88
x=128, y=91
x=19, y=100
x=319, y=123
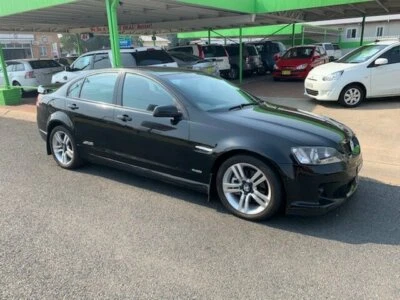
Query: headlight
x=333, y=76
x=276, y=67
x=301, y=67
x=317, y=155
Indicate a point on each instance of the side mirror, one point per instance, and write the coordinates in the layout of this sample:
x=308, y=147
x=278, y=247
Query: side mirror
x=167, y=111
x=67, y=68
x=381, y=62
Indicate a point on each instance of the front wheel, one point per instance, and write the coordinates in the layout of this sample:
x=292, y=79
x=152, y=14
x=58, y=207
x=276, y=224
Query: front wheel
x=249, y=188
x=352, y=95
x=63, y=148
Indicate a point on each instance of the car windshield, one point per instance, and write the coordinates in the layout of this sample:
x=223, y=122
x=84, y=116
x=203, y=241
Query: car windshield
x=299, y=52
x=361, y=54
x=209, y=93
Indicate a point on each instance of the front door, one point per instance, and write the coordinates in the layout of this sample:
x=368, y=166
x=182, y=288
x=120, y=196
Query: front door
x=143, y=140
x=90, y=105
x=385, y=78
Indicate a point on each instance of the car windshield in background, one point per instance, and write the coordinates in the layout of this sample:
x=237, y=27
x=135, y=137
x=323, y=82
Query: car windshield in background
x=210, y=93
x=252, y=50
x=329, y=47
x=146, y=58
x=185, y=56
x=232, y=50
x=361, y=54
x=214, y=51
x=43, y=64
x=299, y=52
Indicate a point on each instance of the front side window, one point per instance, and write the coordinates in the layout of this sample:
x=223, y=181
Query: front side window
x=144, y=94
x=82, y=63
x=99, y=87
x=361, y=54
x=392, y=55
x=101, y=61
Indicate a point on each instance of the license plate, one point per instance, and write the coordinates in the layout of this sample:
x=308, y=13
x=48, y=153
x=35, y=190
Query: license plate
x=286, y=72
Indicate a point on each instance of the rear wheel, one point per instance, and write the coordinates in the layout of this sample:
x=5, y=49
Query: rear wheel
x=17, y=84
x=233, y=72
x=249, y=188
x=352, y=95
x=63, y=148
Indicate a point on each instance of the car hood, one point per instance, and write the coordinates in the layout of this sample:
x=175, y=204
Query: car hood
x=331, y=67
x=297, y=126
x=292, y=62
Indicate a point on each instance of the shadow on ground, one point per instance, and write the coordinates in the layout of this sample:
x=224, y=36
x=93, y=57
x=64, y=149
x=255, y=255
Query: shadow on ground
x=371, y=216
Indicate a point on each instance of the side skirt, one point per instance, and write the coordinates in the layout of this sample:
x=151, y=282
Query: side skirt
x=194, y=185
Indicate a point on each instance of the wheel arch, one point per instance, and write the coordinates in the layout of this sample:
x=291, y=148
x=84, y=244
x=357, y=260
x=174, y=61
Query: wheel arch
x=57, y=119
x=360, y=84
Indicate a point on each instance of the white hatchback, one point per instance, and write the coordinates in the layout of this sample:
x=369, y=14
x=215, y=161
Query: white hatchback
x=370, y=71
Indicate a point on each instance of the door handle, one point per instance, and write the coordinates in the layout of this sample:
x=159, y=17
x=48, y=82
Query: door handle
x=73, y=106
x=124, y=118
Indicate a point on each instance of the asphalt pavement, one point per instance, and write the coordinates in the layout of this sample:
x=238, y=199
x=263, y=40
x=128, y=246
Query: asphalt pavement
x=103, y=233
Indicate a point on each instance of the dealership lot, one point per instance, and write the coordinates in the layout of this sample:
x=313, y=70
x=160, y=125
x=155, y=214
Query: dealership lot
x=98, y=232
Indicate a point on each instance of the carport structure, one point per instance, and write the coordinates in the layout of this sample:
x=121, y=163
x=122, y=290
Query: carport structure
x=163, y=16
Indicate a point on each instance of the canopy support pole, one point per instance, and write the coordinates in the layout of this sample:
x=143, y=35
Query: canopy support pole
x=209, y=36
x=240, y=56
x=293, y=34
x=112, y=19
x=4, y=69
x=362, y=31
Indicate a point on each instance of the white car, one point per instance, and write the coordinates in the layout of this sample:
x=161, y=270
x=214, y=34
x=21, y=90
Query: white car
x=370, y=71
x=138, y=57
x=30, y=73
x=329, y=49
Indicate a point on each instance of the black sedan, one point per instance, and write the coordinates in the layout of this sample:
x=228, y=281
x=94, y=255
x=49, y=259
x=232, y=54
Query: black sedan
x=205, y=133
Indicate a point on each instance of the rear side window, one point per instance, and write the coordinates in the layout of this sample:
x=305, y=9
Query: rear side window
x=252, y=50
x=43, y=64
x=152, y=57
x=101, y=61
x=19, y=67
x=99, y=87
x=214, y=51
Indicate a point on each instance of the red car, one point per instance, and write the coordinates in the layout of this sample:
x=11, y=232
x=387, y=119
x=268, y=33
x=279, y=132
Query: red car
x=298, y=61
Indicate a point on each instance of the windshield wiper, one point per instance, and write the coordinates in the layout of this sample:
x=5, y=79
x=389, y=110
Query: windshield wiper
x=240, y=106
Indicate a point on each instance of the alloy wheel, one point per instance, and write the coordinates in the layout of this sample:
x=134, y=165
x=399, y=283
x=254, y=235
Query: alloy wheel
x=62, y=148
x=246, y=188
x=352, y=96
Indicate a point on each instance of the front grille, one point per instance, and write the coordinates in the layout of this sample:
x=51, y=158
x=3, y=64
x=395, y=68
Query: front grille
x=312, y=92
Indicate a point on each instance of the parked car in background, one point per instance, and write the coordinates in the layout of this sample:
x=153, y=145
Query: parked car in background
x=66, y=61
x=329, y=49
x=202, y=132
x=298, y=61
x=370, y=71
x=251, y=60
x=268, y=50
x=217, y=52
x=30, y=73
x=338, y=51
x=192, y=62
x=138, y=57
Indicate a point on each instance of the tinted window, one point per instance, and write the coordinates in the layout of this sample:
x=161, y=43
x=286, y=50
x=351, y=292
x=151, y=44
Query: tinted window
x=299, y=52
x=184, y=56
x=82, y=63
x=183, y=49
x=275, y=48
x=209, y=93
x=101, y=61
x=99, y=87
x=74, y=89
x=128, y=60
x=145, y=94
x=393, y=55
x=251, y=50
x=19, y=67
x=232, y=50
x=213, y=51
x=42, y=64
x=336, y=47
x=152, y=57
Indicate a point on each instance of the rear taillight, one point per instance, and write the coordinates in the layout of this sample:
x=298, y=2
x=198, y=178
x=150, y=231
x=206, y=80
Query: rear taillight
x=29, y=74
x=201, y=52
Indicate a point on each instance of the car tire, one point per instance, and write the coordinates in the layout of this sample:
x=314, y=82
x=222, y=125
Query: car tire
x=249, y=188
x=352, y=95
x=233, y=73
x=63, y=148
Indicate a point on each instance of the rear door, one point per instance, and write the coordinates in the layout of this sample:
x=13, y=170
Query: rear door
x=144, y=140
x=44, y=70
x=90, y=105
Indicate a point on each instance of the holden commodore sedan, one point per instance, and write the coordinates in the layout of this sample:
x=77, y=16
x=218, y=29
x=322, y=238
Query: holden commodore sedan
x=202, y=132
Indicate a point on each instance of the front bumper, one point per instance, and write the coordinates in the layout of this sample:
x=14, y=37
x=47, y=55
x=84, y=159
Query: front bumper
x=315, y=190
x=322, y=90
x=290, y=74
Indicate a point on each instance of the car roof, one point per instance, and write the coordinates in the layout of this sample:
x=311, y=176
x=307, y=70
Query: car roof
x=27, y=59
x=138, y=49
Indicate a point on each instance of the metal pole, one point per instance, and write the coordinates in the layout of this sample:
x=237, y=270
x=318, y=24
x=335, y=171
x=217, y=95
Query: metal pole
x=362, y=31
x=78, y=43
x=293, y=34
x=111, y=6
x=240, y=56
x=302, y=34
x=325, y=35
x=209, y=36
x=4, y=68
